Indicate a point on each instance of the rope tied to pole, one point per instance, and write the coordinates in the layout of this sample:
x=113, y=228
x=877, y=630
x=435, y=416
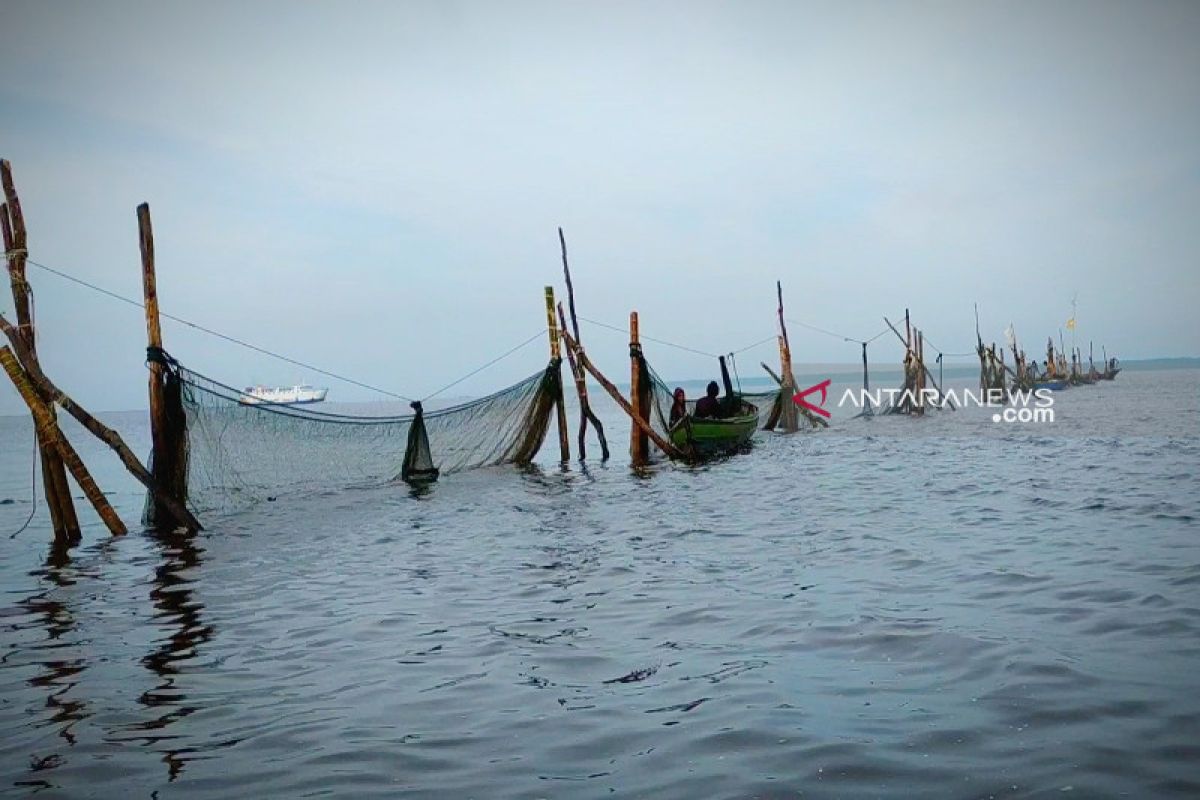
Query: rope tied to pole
x=32, y=489
x=157, y=355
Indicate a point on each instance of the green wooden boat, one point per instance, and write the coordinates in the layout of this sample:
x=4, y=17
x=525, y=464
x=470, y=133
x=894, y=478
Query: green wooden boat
x=711, y=436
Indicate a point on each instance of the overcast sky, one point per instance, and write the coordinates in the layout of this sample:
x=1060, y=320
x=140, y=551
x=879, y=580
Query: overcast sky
x=375, y=187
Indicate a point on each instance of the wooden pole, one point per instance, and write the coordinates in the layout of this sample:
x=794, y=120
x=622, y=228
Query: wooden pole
x=920, y=372
x=788, y=411
x=637, y=436
x=907, y=333
x=46, y=388
x=867, y=411
x=48, y=430
x=585, y=407
x=927, y=372
x=615, y=394
x=63, y=518
x=564, y=446
x=169, y=444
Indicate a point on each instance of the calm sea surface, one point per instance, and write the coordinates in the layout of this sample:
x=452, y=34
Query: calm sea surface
x=943, y=607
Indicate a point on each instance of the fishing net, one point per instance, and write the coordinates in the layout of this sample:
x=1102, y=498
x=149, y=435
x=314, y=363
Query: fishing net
x=238, y=453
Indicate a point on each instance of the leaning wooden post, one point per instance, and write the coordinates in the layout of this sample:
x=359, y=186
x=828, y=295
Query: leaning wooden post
x=46, y=388
x=564, y=446
x=585, y=407
x=168, y=464
x=48, y=431
x=637, y=438
x=63, y=519
x=928, y=374
x=671, y=450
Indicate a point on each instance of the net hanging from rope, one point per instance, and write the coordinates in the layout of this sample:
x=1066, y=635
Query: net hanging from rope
x=238, y=454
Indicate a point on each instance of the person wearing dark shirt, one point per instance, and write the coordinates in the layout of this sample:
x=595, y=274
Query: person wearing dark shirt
x=678, y=407
x=709, y=405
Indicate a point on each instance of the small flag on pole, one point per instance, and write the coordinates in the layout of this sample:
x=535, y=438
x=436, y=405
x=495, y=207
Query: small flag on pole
x=1071, y=324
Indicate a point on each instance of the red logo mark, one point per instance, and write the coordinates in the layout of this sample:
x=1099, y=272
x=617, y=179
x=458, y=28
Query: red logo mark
x=823, y=388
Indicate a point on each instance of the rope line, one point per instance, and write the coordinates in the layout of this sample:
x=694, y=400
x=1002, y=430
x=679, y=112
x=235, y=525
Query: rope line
x=476, y=371
x=837, y=335
x=32, y=487
x=272, y=354
x=652, y=339
x=948, y=355
x=770, y=338
x=220, y=335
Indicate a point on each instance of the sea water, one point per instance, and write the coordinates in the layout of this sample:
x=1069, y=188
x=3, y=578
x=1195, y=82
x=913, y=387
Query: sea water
x=894, y=607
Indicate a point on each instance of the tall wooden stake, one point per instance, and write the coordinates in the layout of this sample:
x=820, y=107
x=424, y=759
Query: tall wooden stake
x=920, y=373
x=585, y=362
x=564, y=446
x=46, y=388
x=867, y=410
x=585, y=407
x=928, y=374
x=788, y=416
x=63, y=519
x=168, y=439
x=637, y=438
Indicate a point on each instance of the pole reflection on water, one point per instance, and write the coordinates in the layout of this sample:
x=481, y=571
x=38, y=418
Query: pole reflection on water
x=60, y=674
x=177, y=609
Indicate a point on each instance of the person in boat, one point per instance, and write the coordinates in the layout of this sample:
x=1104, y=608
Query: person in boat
x=678, y=406
x=710, y=405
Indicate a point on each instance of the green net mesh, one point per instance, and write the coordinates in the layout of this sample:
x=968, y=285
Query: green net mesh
x=238, y=454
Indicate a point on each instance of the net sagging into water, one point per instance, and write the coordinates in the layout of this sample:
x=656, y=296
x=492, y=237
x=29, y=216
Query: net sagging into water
x=239, y=453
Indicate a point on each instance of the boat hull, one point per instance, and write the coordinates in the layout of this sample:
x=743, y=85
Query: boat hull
x=282, y=396
x=251, y=400
x=1054, y=386
x=702, y=438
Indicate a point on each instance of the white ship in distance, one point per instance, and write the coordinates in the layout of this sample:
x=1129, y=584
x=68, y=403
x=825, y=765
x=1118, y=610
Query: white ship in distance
x=283, y=395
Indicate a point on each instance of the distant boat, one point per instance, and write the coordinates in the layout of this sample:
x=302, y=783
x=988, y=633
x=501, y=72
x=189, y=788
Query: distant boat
x=282, y=395
x=1053, y=384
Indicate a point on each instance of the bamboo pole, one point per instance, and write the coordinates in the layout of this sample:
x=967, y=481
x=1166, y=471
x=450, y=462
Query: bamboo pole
x=585, y=407
x=48, y=429
x=63, y=518
x=790, y=399
x=920, y=373
x=585, y=362
x=788, y=411
x=907, y=333
x=169, y=445
x=777, y=407
x=107, y=435
x=927, y=372
x=564, y=446
x=867, y=410
x=638, y=451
